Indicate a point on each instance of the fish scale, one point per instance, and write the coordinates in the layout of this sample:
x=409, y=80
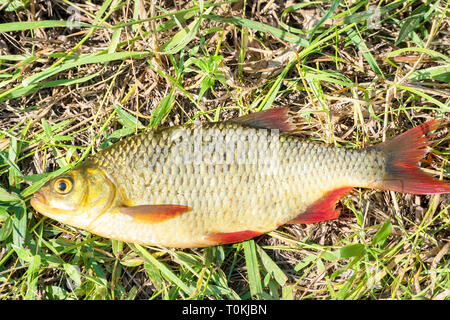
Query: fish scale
x=197, y=186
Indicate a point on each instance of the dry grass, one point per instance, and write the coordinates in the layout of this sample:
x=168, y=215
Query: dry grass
x=348, y=85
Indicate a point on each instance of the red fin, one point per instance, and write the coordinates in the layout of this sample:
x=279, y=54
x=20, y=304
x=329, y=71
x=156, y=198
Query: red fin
x=323, y=209
x=268, y=119
x=154, y=213
x=403, y=154
x=222, y=238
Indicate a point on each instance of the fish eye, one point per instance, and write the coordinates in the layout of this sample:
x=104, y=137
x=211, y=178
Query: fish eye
x=63, y=185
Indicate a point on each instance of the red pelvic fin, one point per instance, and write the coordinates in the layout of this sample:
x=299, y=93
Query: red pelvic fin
x=154, y=213
x=403, y=154
x=232, y=237
x=268, y=119
x=323, y=209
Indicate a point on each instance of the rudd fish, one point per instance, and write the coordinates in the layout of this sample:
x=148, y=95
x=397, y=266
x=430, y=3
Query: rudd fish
x=226, y=182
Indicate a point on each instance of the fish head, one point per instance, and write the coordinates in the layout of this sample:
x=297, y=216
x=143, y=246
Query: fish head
x=77, y=197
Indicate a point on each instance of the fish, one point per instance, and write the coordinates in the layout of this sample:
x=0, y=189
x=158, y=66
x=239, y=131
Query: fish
x=200, y=185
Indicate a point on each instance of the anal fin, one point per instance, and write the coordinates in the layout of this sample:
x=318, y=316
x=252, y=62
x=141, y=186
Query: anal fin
x=323, y=209
x=232, y=237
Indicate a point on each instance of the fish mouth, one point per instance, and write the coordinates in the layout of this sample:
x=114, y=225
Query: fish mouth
x=40, y=204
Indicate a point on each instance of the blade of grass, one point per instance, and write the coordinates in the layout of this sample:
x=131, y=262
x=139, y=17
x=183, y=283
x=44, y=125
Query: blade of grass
x=416, y=49
x=83, y=60
x=358, y=41
x=412, y=22
x=127, y=120
x=166, y=272
x=19, y=221
x=444, y=107
x=32, y=277
x=22, y=91
x=255, y=25
x=175, y=14
x=270, y=97
x=251, y=261
x=163, y=109
x=30, y=25
x=334, y=6
x=440, y=73
x=294, y=8
x=181, y=39
x=271, y=267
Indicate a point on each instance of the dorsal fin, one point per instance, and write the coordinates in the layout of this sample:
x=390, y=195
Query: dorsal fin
x=268, y=119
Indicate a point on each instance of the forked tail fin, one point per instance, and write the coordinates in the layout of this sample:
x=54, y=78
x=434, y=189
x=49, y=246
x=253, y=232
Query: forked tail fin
x=403, y=154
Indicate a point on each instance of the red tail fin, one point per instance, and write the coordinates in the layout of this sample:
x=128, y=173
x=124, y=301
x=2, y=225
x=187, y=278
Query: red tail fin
x=403, y=153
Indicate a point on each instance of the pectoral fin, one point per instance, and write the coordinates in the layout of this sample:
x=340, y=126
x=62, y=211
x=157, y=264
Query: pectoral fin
x=154, y=213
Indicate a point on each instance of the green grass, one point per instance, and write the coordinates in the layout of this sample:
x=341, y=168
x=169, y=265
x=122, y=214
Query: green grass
x=132, y=67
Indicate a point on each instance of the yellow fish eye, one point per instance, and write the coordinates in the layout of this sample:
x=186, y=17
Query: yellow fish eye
x=63, y=185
